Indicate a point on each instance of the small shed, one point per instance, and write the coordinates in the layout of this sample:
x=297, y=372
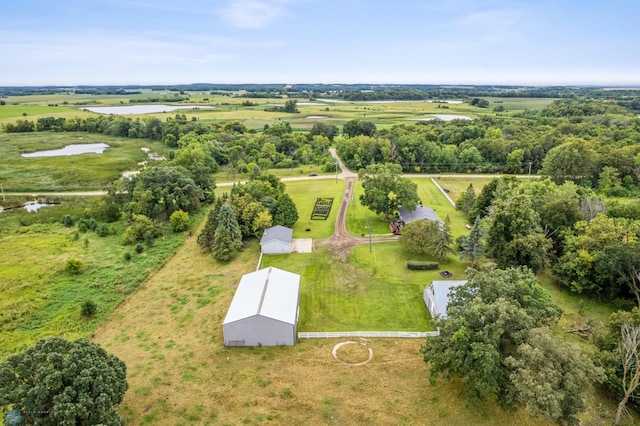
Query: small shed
x=436, y=296
x=420, y=213
x=264, y=310
x=276, y=240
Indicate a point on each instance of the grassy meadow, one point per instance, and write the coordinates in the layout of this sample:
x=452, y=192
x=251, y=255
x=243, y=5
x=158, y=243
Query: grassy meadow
x=68, y=173
x=39, y=299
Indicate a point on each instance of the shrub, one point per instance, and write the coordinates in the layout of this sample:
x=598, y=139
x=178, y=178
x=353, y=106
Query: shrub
x=73, y=266
x=102, y=230
x=139, y=248
x=419, y=265
x=88, y=308
x=68, y=220
x=179, y=221
x=141, y=229
x=127, y=257
x=87, y=224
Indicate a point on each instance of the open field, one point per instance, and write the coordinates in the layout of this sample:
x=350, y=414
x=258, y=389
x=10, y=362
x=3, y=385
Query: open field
x=68, y=173
x=169, y=333
x=39, y=299
x=383, y=114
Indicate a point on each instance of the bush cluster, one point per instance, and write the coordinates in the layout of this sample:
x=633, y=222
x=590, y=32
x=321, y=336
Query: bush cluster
x=419, y=265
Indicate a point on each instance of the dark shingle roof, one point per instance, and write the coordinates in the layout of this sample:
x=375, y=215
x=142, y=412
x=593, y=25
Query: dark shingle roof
x=420, y=213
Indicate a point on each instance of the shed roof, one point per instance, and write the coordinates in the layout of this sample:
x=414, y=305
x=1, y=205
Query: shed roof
x=277, y=233
x=269, y=292
x=420, y=213
x=440, y=291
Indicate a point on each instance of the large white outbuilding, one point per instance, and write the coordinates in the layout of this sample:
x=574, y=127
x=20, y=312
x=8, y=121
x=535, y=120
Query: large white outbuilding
x=264, y=310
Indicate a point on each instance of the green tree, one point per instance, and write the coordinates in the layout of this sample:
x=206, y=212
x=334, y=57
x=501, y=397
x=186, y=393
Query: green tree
x=385, y=189
x=551, y=376
x=159, y=191
x=286, y=213
x=179, y=221
x=418, y=237
x=442, y=241
x=472, y=245
x=205, y=238
x=291, y=106
x=487, y=319
x=466, y=200
x=57, y=382
x=330, y=131
x=574, y=159
x=609, y=341
x=227, y=239
x=358, y=127
x=514, y=236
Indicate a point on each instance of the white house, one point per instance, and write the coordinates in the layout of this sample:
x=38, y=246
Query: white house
x=436, y=296
x=264, y=310
x=276, y=240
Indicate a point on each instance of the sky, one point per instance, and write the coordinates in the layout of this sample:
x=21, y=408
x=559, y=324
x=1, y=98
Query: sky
x=501, y=42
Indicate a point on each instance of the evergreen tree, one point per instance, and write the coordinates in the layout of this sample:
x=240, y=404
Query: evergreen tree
x=442, y=241
x=467, y=200
x=286, y=212
x=227, y=238
x=205, y=239
x=472, y=247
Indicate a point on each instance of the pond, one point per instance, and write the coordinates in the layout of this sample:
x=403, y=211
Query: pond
x=444, y=117
x=143, y=109
x=35, y=206
x=73, y=149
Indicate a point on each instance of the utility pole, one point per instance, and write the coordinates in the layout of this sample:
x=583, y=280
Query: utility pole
x=2, y=189
x=530, y=163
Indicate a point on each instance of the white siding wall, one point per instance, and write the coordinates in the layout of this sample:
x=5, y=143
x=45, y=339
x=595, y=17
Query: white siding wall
x=259, y=331
x=276, y=247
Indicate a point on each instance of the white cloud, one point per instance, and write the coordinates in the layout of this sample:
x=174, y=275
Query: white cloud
x=253, y=13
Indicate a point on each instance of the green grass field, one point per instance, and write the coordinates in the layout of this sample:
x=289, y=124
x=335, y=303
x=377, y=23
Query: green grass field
x=68, y=173
x=39, y=299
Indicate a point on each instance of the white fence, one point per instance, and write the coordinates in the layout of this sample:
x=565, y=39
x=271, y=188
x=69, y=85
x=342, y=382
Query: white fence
x=397, y=334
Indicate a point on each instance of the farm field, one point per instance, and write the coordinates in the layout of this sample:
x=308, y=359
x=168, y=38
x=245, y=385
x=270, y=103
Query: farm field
x=227, y=108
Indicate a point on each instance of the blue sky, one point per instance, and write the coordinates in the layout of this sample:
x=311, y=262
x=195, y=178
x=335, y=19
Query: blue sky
x=538, y=42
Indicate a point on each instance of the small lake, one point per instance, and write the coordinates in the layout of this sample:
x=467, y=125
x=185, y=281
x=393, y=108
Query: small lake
x=143, y=109
x=34, y=207
x=443, y=117
x=73, y=149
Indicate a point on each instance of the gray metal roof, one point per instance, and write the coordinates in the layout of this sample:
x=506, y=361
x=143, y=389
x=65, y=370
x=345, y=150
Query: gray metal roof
x=277, y=233
x=440, y=291
x=420, y=213
x=269, y=292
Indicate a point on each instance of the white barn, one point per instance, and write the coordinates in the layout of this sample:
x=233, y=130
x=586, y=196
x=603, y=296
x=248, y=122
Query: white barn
x=276, y=240
x=436, y=296
x=264, y=310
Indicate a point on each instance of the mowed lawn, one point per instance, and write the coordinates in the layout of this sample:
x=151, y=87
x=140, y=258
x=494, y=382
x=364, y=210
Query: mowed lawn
x=372, y=291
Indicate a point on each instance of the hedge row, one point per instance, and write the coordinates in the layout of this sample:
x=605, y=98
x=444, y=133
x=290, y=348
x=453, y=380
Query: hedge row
x=419, y=265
